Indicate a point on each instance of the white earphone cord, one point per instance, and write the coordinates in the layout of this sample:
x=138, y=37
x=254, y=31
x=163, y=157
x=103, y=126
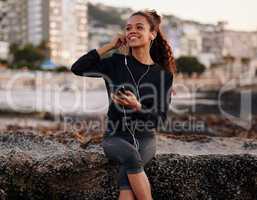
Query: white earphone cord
x=136, y=143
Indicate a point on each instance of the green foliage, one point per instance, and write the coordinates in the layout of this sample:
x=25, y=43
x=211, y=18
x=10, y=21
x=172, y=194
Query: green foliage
x=189, y=65
x=23, y=64
x=61, y=69
x=4, y=62
x=57, y=69
x=28, y=55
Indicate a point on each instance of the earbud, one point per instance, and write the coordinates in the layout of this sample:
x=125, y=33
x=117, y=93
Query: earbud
x=126, y=60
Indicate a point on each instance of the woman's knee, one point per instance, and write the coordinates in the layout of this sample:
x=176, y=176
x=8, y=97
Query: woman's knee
x=133, y=162
x=148, y=152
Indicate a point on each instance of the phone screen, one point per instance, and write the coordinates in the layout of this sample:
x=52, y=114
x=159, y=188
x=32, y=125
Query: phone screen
x=116, y=88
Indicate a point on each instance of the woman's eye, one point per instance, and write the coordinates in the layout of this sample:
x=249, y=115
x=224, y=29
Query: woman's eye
x=139, y=27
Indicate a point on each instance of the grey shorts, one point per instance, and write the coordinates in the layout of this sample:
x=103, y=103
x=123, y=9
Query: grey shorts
x=121, y=148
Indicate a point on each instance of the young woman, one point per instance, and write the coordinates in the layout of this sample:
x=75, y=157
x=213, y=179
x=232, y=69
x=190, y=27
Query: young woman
x=146, y=73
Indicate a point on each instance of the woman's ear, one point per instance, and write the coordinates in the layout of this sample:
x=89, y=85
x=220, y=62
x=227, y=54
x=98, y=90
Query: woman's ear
x=153, y=35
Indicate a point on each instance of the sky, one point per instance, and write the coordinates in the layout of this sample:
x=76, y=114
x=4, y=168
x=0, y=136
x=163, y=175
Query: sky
x=240, y=14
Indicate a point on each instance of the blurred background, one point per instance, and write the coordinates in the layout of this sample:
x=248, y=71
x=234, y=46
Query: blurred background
x=214, y=43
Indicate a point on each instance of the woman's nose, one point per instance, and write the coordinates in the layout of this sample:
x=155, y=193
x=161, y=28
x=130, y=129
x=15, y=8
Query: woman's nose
x=131, y=33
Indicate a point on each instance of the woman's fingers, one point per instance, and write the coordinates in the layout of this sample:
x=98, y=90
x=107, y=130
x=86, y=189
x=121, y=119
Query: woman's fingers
x=127, y=99
x=121, y=37
x=119, y=100
x=122, y=95
x=128, y=92
x=116, y=100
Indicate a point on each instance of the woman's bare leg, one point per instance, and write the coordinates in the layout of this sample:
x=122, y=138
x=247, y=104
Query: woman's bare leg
x=127, y=195
x=140, y=185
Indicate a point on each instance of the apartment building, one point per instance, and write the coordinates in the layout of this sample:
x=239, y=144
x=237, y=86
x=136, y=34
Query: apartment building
x=61, y=23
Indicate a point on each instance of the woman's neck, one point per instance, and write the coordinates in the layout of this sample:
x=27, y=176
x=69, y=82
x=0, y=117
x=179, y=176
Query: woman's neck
x=142, y=55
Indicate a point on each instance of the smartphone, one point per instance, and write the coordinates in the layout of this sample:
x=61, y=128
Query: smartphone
x=118, y=88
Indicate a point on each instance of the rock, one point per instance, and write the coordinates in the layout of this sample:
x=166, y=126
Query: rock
x=32, y=167
x=249, y=145
x=3, y=195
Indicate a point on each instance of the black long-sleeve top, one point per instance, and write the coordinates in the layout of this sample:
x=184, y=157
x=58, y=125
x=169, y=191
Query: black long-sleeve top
x=155, y=100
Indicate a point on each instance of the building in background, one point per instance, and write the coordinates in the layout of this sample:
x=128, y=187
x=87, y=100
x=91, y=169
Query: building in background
x=3, y=22
x=234, y=51
x=4, y=44
x=4, y=50
x=60, y=23
x=101, y=35
x=213, y=44
x=65, y=26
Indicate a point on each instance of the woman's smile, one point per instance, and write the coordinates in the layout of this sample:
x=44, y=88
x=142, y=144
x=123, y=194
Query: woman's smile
x=133, y=37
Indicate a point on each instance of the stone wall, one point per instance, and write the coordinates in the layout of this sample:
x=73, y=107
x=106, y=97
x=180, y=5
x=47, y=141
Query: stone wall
x=33, y=167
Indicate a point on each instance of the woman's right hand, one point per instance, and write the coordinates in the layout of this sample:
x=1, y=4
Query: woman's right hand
x=118, y=40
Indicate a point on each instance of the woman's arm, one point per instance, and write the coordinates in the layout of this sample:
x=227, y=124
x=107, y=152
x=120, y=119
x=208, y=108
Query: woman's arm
x=91, y=64
x=103, y=50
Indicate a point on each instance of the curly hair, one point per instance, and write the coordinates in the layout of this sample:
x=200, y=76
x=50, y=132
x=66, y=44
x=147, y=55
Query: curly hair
x=161, y=52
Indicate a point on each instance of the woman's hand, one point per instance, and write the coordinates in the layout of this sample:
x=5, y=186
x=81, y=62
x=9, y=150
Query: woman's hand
x=128, y=99
x=118, y=41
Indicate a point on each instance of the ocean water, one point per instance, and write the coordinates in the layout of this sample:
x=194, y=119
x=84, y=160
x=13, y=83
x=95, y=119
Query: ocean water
x=67, y=102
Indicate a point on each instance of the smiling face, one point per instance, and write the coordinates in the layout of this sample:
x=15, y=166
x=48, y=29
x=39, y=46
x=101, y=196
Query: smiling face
x=137, y=31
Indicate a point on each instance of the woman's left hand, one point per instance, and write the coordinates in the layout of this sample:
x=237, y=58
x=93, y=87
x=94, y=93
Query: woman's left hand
x=127, y=99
